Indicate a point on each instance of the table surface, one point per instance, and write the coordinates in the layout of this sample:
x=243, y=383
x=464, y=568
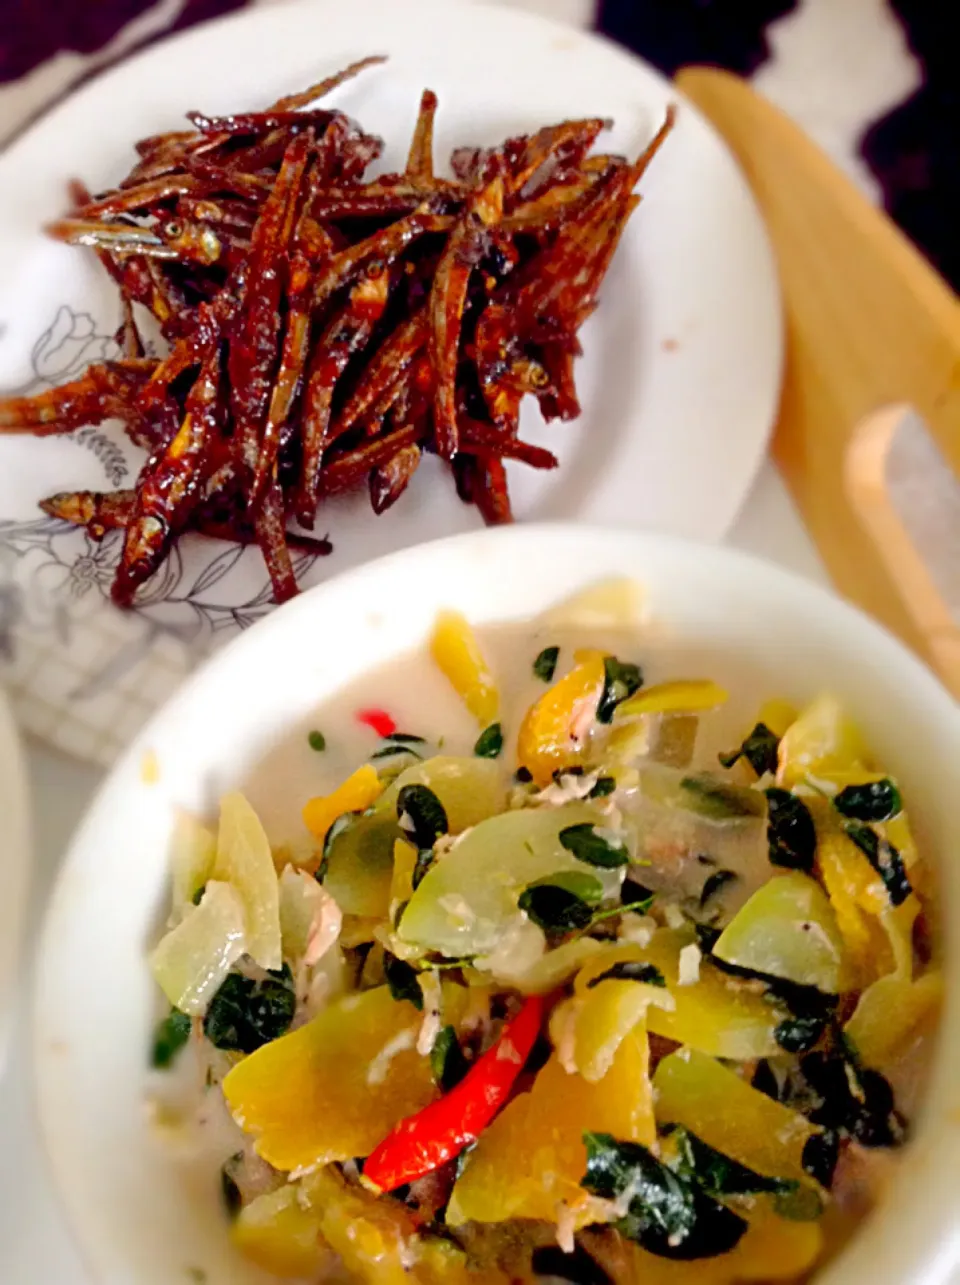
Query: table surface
x=36, y=1247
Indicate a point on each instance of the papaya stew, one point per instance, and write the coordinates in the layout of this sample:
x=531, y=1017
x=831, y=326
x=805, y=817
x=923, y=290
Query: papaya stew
x=568, y=970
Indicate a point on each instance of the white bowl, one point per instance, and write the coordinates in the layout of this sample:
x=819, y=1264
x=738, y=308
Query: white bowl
x=135, y=1216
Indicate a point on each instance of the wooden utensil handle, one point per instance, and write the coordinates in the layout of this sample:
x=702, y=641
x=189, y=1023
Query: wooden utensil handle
x=870, y=328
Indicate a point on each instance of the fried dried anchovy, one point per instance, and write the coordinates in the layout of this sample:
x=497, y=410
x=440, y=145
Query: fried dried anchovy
x=326, y=330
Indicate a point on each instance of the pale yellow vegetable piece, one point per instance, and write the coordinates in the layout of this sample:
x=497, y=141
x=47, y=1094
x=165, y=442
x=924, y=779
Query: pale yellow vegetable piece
x=787, y=929
x=279, y=1234
x=890, y=1012
x=554, y=731
x=682, y=696
x=336, y=1087
x=730, y=1115
x=457, y=653
x=777, y=715
x=244, y=860
x=823, y=739
x=359, y=865
x=607, y=1013
x=772, y=1249
x=355, y=794
x=550, y=970
x=470, y=789
x=401, y=883
x=717, y=1014
x=532, y=1157
x=191, y=961
x=609, y=604
x=898, y=924
x=192, y=852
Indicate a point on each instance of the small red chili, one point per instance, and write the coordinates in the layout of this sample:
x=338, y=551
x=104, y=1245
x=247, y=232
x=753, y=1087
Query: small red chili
x=424, y=1141
x=379, y=720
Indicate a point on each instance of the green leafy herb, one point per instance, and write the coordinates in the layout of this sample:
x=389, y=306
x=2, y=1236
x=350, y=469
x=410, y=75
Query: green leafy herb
x=425, y=859
x=232, y=1200
x=791, y=836
x=523, y=775
x=669, y=1214
x=799, y=1034
x=545, y=666
x=390, y=751
x=821, y=1151
x=759, y=749
x=490, y=742
x=885, y=859
x=562, y=902
x=447, y=1062
x=716, y=1173
x=317, y=741
x=631, y=892
x=403, y=980
x=421, y=815
x=853, y=1100
x=198, y=895
x=620, y=681
x=404, y=738
x=246, y=1014
x=630, y=970
x=875, y=801
x=587, y=844
x=719, y=800
x=712, y=885
x=605, y=785
x=169, y=1038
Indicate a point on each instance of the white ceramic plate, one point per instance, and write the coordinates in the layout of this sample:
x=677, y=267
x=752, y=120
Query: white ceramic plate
x=140, y=1214
x=14, y=862
x=682, y=364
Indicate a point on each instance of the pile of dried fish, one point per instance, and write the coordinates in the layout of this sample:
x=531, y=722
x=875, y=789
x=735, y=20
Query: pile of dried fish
x=324, y=330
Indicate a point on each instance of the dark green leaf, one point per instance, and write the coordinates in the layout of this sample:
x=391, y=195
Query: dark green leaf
x=799, y=1034
x=885, y=859
x=719, y=800
x=403, y=980
x=605, y=785
x=425, y=859
x=791, y=836
x=553, y=908
x=579, y=1268
x=821, y=1151
x=523, y=775
x=803, y=1204
x=545, y=666
x=246, y=1014
x=578, y=882
x=198, y=895
x=853, y=1100
x=447, y=1062
x=631, y=892
x=619, y=682
x=421, y=815
x=712, y=885
x=490, y=742
x=668, y=1214
x=232, y=1200
x=390, y=751
x=317, y=741
x=630, y=970
x=588, y=845
x=759, y=749
x=716, y=1173
x=876, y=801
x=169, y=1038
x=404, y=738
x=765, y=1082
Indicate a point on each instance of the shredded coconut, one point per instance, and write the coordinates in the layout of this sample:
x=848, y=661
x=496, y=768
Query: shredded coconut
x=380, y=1065
x=673, y=915
x=507, y=1051
x=570, y=788
x=432, y=998
x=637, y=929
x=689, y=965
x=566, y=1227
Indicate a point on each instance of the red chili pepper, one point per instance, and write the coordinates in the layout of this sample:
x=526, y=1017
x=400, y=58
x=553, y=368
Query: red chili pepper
x=379, y=720
x=424, y=1141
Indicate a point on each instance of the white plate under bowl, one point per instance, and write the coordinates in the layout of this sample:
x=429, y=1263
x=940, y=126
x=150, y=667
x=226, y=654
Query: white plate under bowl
x=14, y=863
x=682, y=362
x=135, y=1215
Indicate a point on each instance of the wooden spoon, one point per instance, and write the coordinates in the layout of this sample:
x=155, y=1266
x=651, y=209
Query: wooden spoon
x=872, y=330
